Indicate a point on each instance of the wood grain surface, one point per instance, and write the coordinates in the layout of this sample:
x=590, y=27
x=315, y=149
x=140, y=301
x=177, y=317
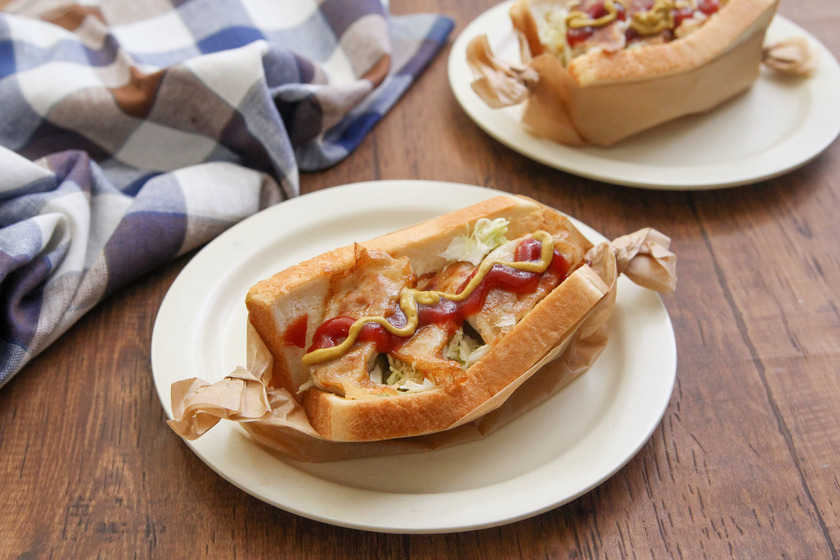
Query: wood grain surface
x=744, y=464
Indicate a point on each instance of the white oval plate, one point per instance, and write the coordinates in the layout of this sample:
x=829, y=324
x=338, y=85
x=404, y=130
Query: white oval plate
x=554, y=453
x=778, y=125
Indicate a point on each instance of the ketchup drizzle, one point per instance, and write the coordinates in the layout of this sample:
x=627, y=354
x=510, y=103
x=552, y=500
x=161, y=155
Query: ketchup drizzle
x=447, y=313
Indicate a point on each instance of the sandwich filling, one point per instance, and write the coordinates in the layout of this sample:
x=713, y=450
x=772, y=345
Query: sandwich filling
x=390, y=332
x=571, y=30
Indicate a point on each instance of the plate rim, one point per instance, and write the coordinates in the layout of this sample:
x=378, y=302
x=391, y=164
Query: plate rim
x=597, y=164
x=223, y=434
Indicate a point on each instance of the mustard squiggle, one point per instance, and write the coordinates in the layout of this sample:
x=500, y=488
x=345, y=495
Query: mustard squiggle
x=410, y=298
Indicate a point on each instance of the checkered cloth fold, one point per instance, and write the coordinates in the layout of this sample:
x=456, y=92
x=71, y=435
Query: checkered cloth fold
x=133, y=132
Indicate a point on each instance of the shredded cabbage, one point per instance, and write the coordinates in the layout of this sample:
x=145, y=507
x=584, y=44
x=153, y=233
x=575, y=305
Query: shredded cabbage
x=405, y=378
x=464, y=349
x=472, y=248
x=376, y=374
x=306, y=386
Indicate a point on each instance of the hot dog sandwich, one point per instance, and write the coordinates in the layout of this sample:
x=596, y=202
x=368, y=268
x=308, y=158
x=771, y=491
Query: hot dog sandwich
x=410, y=333
x=598, y=71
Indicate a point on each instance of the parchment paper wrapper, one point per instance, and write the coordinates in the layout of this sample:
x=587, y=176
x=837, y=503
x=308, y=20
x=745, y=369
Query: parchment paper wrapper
x=795, y=56
x=275, y=419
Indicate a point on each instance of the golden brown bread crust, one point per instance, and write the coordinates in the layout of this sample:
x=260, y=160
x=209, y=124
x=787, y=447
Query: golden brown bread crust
x=275, y=303
x=604, y=97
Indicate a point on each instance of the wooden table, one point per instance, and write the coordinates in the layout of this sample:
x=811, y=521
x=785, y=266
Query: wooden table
x=744, y=464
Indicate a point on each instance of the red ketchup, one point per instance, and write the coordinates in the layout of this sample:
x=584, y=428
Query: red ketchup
x=295, y=333
x=682, y=14
x=333, y=331
x=708, y=7
x=595, y=10
x=446, y=313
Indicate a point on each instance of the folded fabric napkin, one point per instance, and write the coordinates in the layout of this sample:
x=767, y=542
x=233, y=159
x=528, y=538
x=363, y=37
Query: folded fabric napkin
x=133, y=132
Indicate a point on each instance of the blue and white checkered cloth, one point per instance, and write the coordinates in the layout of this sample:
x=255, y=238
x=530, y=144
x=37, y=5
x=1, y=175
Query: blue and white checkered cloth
x=134, y=131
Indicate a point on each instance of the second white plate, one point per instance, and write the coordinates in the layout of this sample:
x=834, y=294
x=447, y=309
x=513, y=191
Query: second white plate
x=778, y=125
x=547, y=457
